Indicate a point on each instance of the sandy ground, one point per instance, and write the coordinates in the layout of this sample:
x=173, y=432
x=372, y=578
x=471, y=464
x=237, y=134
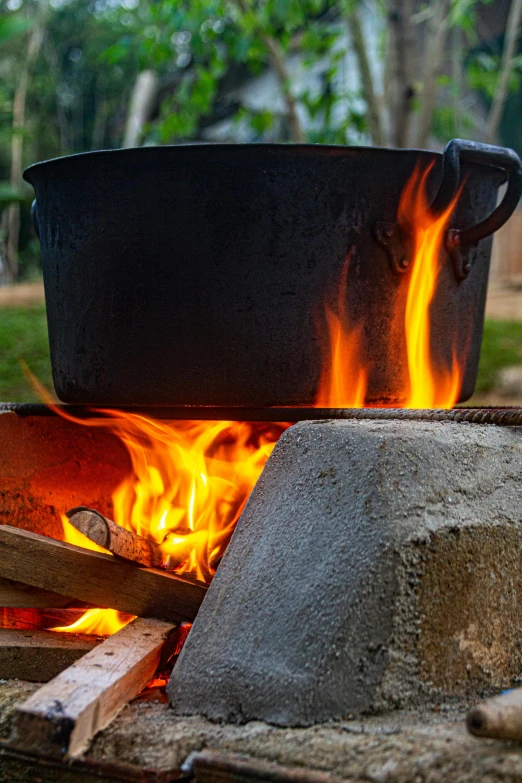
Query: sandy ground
x=22, y=294
x=504, y=303
x=422, y=746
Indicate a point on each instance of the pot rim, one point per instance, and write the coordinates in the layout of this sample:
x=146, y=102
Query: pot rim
x=337, y=149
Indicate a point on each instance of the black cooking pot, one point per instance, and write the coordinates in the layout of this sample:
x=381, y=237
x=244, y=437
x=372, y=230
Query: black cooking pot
x=198, y=275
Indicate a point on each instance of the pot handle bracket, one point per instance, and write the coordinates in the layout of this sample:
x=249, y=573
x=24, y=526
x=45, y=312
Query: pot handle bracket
x=396, y=238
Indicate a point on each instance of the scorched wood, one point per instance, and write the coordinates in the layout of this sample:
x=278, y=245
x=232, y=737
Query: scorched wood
x=99, y=579
x=63, y=716
x=115, y=538
x=34, y=619
x=39, y=656
x=17, y=595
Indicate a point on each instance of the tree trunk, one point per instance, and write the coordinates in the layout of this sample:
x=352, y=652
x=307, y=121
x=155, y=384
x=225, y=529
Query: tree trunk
x=401, y=51
x=436, y=34
x=506, y=66
x=373, y=111
x=277, y=60
x=278, y=63
x=142, y=104
x=19, y=103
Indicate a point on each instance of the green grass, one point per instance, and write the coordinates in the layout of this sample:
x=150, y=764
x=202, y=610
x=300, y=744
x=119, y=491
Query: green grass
x=23, y=335
x=501, y=347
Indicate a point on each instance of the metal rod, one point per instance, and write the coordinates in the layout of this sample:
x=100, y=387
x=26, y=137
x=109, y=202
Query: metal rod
x=500, y=416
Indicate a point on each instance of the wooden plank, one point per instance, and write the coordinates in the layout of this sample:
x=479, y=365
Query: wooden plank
x=17, y=595
x=38, y=656
x=99, y=579
x=34, y=619
x=63, y=716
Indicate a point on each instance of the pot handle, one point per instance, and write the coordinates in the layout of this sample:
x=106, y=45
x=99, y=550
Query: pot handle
x=34, y=219
x=458, y=241
x=396, y=238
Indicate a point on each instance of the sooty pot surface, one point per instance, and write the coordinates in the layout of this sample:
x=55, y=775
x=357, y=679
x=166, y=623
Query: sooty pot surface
x=199, y=274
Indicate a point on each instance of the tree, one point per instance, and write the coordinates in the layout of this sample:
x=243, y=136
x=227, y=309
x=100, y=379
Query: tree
x=85, y=74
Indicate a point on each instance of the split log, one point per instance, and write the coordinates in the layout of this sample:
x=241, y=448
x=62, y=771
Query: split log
x=37, y=619
x=63, y=716
x=17, y=595
x=115, y=538
x=99, y=579
x=38, y=656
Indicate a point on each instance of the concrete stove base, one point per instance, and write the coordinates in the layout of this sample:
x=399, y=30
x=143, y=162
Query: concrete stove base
x=377, y=565
x=147, y=742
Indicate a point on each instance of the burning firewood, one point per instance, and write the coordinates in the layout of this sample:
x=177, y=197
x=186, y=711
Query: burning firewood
x=63, y=716
x=34, y=619
x=38, y=656
x=114, y=538
x=97, y=578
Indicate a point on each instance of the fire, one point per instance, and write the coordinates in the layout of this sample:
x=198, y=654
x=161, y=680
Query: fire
x=344, y=378
x=189, y=483
x=103, y=622
x=190, y=480
x=430, y=386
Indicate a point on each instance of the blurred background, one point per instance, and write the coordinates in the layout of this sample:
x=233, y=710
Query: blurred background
x=79, y=75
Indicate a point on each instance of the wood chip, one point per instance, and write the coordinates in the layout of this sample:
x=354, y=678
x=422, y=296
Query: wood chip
x=38, y=656
x=99, y=579
x=64, y=715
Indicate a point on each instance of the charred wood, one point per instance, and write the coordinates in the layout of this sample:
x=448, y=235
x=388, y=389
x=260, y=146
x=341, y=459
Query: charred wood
x=97, y=578
x=115, y=538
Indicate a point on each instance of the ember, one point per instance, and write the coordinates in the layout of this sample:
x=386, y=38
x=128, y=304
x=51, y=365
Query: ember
x=189, y=485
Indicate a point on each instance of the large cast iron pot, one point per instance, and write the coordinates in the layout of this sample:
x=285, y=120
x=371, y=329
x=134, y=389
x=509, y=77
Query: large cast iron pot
x=198, y=275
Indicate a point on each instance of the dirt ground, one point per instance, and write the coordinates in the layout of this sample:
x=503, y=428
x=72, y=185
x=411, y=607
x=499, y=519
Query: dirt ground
x=504, y=303
x=24, y=294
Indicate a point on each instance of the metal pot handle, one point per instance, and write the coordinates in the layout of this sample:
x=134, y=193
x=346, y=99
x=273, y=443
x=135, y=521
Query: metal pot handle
x=458, y=241
x=396, y=237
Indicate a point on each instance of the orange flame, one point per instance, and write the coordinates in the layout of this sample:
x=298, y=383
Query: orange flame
x=101, y=622
x=344, y=378
x=190, y=481
x=430, y=386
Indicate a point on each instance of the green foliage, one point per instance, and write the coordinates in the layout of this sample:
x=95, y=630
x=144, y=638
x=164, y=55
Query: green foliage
x=13, y=27
x=23, y=335
x=10, y=194
x=206, y=53
x=447, y=123
x=483, y=69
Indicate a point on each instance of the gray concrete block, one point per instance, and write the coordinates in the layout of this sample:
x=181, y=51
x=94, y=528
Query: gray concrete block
x=376, y=565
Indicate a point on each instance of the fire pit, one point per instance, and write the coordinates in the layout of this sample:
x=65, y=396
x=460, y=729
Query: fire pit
x=324, y=591
x=457, y=650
